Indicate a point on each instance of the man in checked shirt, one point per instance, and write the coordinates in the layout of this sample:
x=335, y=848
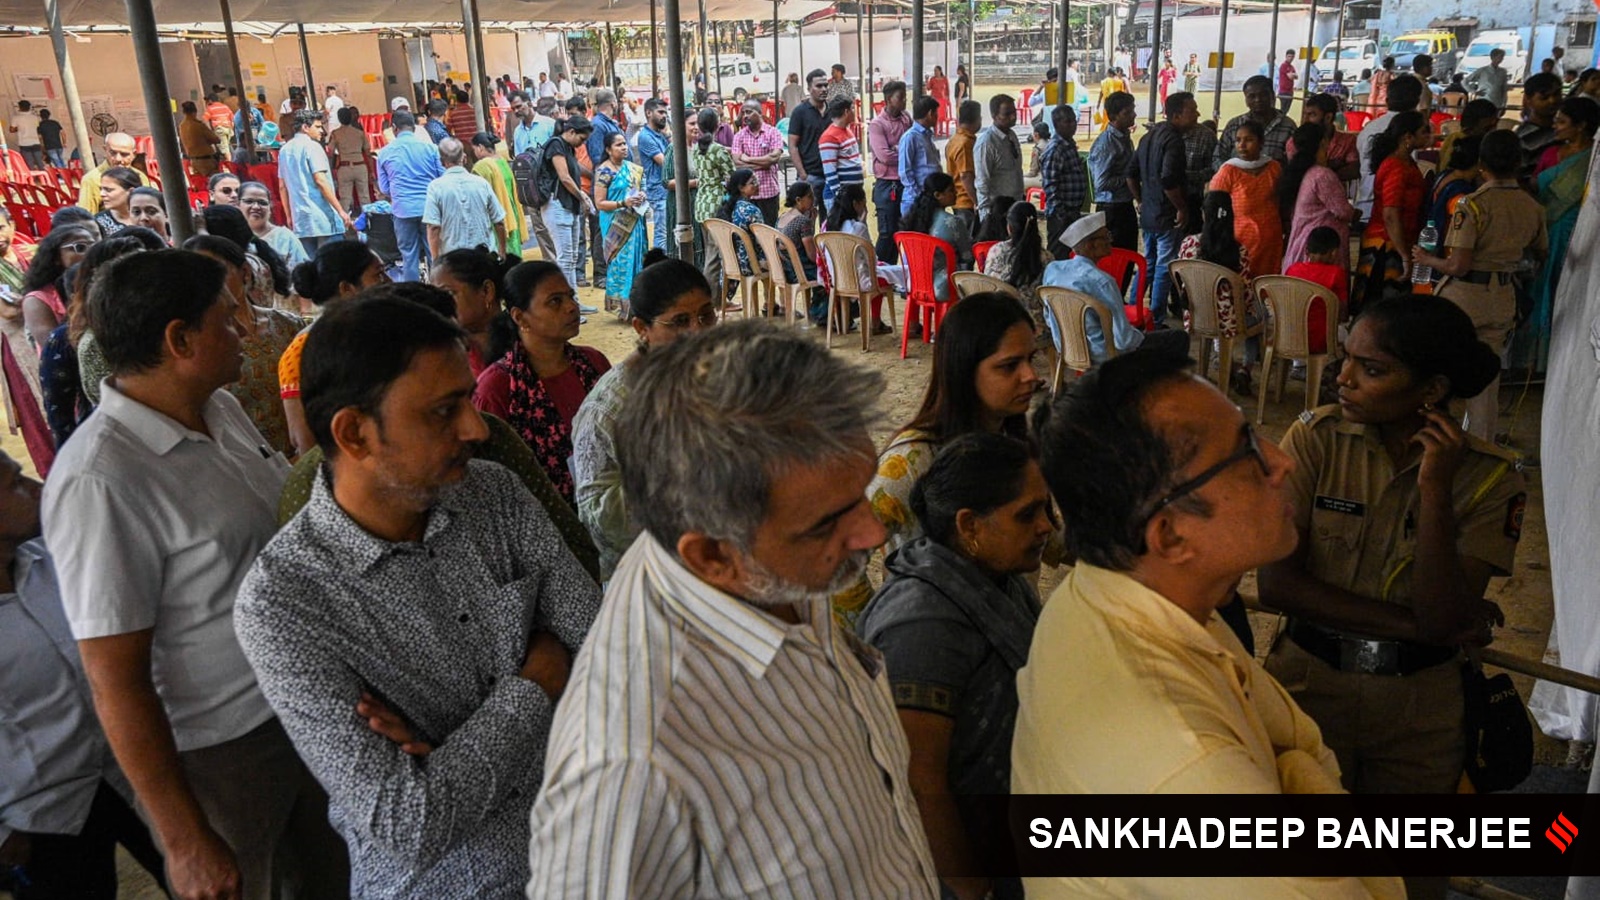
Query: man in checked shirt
x=414, y=624
x=1065, y=176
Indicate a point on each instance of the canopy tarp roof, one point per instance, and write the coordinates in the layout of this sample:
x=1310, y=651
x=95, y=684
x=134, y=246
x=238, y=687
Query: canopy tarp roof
x=365, y=13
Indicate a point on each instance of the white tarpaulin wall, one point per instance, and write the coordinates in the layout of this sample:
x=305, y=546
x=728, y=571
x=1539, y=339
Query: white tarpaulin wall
x=1570, y=449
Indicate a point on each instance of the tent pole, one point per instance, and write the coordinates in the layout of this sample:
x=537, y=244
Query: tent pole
x=1155, y=58
x=516, y=42
x=655, y=51
x=684, y=233
x=918, y=22
x=872, y=66
x=1222, y=45
x=716, y=54
x=469, y=28
x=1338, y=42
x=69, y=80
x=1273, y=40
x=158, y=106
x=482, y=94
x=247, y=139
x=1311, y=38
x=305, y=61
x=861, y=62
x=705, y=50
x=777, y=73
x=1063, y=56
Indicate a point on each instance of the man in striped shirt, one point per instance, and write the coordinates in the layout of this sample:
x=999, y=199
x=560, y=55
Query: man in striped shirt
x=840, y=149
x=720, y=735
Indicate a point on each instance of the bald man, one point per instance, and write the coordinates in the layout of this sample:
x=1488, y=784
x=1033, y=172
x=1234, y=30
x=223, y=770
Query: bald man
x=120, y=151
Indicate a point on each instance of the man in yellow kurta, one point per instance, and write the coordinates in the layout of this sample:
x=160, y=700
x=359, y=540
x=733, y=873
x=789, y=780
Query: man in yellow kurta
x=1134, y=685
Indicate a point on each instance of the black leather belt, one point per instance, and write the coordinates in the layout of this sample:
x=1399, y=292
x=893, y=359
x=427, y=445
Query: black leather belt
x=1368, y=657
x=1477, y=277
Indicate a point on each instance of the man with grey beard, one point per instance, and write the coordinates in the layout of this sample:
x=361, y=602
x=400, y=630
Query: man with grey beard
x=715, y=686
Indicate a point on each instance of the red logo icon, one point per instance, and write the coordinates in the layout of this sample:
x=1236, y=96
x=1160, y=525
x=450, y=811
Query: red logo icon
x=1561, y=832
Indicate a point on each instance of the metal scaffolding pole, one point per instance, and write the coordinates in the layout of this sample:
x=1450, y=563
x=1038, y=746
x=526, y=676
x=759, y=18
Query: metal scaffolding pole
x=716, y=54
x=1338, y=43
x=972, y=45
x=305, y=60
x=69, y=81
x=1155, y=58
x=1222, y=44
x=1273, y=40
x=872, y=66
x=158, y=106
x=1311, y=38
x=247, y=137
x=683, y=235
x=705, y=48
x=918, y=22
x=655, y=51
x=469, y=28
x=1063, y=56
x=482, y=94
x=611, y=60
x=777, y=72
x=861, y=58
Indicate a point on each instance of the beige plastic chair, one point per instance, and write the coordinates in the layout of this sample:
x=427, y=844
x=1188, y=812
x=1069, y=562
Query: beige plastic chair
x=1068, y=308
x=1198, y=282
x=843, y=253
x=724, y=235
x=1289, y=300
x=1427, y=167
x=776, y=246
x=969, y=283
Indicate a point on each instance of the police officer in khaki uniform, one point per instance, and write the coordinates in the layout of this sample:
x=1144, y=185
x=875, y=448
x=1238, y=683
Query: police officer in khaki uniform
x=1403, y=519
x=1493, y=229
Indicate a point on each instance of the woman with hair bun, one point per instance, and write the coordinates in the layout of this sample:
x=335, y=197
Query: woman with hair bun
x=1403, y=519
x=341, y=269
x=670, y=300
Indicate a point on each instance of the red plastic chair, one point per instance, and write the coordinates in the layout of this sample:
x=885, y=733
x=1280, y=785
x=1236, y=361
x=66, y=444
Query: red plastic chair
x=1355, y=119
x=1035, y=195
x=942, y=127
x=1438, y=119
x=1121, y=264
x=1024, y=111
x=769, y=111
x=918, y=252
x=980, y=252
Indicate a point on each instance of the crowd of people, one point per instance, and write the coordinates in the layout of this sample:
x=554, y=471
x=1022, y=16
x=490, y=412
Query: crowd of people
x=491, y=614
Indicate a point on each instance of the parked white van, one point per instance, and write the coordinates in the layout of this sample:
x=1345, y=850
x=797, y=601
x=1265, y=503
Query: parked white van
x=1353, y=56
x=1509, y=40
x=741, y=77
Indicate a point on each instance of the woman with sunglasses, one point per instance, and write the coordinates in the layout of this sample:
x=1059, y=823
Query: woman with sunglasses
x=670, y=299
x=44, y=298
x=1403, y=520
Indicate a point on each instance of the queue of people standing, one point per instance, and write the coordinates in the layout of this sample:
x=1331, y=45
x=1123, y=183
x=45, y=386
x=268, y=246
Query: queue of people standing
x=519, y=620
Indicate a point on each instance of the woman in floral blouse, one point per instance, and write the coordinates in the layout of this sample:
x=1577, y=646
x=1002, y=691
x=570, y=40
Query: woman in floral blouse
x=539, y=379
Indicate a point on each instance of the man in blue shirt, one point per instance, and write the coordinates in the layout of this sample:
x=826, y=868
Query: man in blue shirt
x=534, y=127
x=1110, y=158
x=605, y=125
x=437, y=129
x=653, y=144
x=1090, y=241
x=405, y=169
x=919, y=158
x=306, y=182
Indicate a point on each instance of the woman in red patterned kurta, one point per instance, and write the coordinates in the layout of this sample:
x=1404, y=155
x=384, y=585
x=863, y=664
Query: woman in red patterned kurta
x=539, y=379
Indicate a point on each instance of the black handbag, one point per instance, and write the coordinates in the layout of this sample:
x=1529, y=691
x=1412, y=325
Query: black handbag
x=1499, y=753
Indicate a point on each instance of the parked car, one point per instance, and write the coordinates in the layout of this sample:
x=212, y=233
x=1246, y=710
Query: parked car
x=1441, y=45
x=1509, y=40
x=1352, y=54
x=742, y=77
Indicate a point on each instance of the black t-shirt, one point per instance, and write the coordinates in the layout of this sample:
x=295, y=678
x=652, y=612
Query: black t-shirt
x=807, y=124
x=50, y=134
x=550, y=182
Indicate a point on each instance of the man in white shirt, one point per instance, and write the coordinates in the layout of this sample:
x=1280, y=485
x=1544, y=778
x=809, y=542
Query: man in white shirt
x=547, y=88
x=564, y=88
x=997, y=157
x=715, y=686
x=25, y=131
x=1134, y=684
x=331, y=106
x=154, y=513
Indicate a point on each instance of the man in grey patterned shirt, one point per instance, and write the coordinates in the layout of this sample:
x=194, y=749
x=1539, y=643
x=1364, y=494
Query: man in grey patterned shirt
x=413, y=625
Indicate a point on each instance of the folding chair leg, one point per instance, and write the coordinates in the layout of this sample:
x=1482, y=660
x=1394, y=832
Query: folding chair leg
x=1261, y=390
x=827, y=327
x=1224, y=363
x=1314, y=369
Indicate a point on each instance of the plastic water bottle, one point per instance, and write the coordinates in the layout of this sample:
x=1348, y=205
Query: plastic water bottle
x=1428, y=240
